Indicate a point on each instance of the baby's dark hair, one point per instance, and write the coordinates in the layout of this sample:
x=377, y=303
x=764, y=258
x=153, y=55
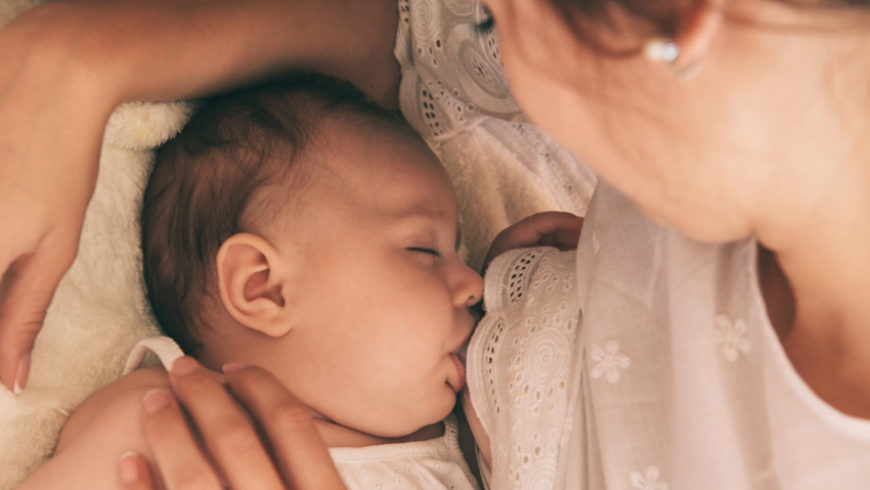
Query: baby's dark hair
x=213, y=179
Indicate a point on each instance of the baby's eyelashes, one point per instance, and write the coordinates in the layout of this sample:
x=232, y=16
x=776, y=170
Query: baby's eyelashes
x=425, y=250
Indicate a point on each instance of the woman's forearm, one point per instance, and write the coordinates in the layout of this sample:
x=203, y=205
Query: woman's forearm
x=173, y=49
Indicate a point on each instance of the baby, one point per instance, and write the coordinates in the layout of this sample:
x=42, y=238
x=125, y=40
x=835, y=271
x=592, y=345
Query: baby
x=298, y=227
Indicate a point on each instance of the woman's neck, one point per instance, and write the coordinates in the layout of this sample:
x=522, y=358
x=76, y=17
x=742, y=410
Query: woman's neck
x=816, y=284
x=809, y=198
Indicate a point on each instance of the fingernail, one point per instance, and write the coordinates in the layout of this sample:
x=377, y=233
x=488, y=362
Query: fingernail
x=155, y=400
x=129, y=467
x=22, y=374
x=184, y=365
x=234, y=366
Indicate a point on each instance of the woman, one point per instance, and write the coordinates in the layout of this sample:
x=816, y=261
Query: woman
x=738, y=122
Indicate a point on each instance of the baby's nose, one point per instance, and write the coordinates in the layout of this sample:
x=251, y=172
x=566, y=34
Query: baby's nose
x=473, y=287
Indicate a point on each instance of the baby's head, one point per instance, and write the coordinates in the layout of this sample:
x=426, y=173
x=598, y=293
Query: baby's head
x=301, y=228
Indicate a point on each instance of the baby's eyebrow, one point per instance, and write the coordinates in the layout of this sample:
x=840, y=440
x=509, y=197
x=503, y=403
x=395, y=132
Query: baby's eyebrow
x=433, y=214
x=425, y=211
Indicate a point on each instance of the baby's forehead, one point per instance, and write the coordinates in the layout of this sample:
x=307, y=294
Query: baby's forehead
x=345, y=124
x=360, y=139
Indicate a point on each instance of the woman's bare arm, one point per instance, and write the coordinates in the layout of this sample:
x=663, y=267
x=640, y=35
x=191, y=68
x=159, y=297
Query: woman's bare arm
x=173, y=49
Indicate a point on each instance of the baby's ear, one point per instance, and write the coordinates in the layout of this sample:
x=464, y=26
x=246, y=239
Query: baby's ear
x=254, y=284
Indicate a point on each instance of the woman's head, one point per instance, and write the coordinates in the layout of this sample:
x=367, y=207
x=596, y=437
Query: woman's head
x=712, y=154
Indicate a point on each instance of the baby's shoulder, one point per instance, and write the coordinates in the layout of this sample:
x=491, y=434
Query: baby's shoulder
x=105, y=426
x=114, y=408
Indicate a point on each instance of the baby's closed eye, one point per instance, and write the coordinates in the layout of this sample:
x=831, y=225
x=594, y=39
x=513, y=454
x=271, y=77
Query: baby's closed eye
x=425, y=250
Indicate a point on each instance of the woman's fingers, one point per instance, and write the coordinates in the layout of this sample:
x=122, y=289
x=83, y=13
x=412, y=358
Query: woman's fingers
x=178, y=458
x=26, y=289
x=299, y=451
x=564, y=237
x=228, y=435
x=235, y=453
x=133, y=473
x=552, y=228
x=548, y=225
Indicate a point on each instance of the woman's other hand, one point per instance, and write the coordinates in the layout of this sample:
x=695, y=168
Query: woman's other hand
x=551, y=228
x=51, y=117
x=226, y=450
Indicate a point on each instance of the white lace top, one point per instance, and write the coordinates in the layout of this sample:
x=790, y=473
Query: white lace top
x=432, y=464
x=674, y=379
x=521, y=362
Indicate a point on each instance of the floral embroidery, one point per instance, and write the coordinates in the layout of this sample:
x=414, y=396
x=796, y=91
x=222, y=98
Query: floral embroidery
x=732, y=336
x=608, y=361
x=648, y=481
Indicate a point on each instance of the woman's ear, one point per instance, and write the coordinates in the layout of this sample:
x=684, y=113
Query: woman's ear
x=697, y=29
x=254, y=284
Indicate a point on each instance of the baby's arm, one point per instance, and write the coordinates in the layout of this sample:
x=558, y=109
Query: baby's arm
x=103, y=428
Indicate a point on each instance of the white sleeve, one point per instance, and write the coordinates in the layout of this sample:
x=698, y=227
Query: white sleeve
x=166, y=350
x=521, y=364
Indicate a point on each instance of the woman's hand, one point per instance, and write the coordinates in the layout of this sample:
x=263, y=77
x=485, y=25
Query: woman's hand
x=552, y=228
x=51, y=118
x=225, y=450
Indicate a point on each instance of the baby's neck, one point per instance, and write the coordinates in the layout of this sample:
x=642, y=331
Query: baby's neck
x=335, y=435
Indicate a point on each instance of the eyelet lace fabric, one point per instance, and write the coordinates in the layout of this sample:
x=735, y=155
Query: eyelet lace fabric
x=453, y=91
x=452, y=75
x=520, y=364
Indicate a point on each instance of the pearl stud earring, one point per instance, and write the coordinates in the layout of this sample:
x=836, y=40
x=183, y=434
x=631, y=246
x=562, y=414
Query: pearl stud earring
x=661, y=50
x=667, y=51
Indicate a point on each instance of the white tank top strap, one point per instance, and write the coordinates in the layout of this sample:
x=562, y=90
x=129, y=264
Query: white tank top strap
x=164, y=347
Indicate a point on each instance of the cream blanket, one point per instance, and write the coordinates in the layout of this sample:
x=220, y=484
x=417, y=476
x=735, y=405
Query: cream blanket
x=99, y=311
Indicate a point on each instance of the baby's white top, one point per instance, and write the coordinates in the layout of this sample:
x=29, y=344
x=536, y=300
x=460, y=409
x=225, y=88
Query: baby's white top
x=436, y=464
x=432, y=464
x=675, y=378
